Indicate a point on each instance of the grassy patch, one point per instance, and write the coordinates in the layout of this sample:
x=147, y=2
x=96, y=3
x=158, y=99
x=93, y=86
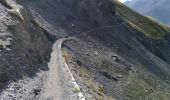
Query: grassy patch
x=76, y=90
x=138, y=92
x=142, y=91
x=149, y=26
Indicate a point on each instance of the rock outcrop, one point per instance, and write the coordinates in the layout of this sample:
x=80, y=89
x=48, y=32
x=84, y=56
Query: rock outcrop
x=24, y=49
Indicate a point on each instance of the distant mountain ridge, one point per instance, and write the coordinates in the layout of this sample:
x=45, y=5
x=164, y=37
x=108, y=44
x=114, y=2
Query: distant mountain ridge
x=158, y=9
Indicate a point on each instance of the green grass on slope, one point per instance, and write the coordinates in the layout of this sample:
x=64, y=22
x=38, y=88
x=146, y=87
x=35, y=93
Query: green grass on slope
x=141, y=91
x=149, y=26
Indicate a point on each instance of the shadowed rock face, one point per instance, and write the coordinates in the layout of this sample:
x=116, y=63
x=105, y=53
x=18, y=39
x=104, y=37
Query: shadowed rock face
x=158, y=9
x=150, y=58
x=24, y=49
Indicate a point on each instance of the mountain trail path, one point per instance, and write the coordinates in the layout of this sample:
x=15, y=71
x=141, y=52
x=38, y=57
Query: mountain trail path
x=60, y=83
x=57, y=83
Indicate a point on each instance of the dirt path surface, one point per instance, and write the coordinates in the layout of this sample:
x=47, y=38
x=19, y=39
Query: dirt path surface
x=60, y=84
x=56, y=84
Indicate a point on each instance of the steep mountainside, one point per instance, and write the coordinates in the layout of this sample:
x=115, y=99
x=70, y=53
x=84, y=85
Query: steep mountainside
x=114, y=52
x=158, y=9
x=24, y=49
x=125, y=52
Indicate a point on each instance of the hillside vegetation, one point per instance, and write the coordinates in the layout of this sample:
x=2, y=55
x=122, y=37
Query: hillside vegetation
x=147, y=25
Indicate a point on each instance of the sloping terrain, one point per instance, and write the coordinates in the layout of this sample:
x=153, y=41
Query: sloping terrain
x=158, y=9
x=24, y=49
x=147, y=25
x=116, y=53
x=129, y=58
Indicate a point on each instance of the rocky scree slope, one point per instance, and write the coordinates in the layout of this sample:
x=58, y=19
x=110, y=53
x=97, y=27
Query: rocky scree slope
x=24, y=49
x=127, y=53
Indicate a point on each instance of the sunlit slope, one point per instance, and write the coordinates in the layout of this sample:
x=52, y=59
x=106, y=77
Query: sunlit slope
x=150, y=27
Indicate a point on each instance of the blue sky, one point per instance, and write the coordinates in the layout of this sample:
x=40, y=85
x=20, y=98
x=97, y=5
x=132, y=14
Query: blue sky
x=124, y=0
